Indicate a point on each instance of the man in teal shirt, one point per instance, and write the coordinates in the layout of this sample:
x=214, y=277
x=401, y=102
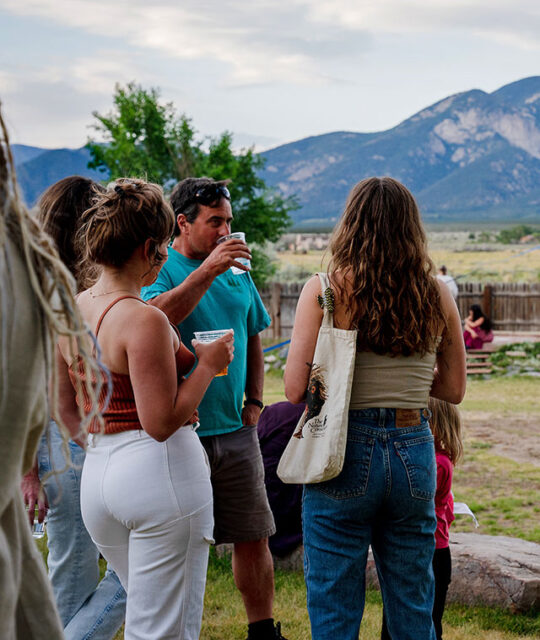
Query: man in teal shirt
x=198, y=291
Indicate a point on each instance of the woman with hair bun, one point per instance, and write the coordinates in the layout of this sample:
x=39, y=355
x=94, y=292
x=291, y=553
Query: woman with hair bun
x=409, y=346
x=146, y=496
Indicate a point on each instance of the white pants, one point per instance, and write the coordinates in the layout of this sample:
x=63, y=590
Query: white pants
x=148, y=507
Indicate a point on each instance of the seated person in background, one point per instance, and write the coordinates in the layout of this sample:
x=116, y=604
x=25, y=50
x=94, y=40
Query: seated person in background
x=275, y=428
x=478, y=328
x=443, y=276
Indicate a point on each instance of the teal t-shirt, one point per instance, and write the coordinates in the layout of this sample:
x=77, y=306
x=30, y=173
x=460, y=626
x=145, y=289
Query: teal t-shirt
x=231, y=302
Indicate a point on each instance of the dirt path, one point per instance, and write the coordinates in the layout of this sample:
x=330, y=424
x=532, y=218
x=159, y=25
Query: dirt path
x=516, y=437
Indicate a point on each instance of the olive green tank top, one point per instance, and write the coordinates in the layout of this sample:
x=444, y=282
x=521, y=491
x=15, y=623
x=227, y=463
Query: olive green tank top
x=392, y=382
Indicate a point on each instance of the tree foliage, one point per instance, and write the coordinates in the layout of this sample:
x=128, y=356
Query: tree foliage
x=514, y=234
x=143, y=138
x=147, y=139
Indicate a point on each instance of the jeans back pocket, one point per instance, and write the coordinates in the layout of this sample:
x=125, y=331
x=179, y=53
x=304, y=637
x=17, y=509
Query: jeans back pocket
x=418, y=457
x=353, y=480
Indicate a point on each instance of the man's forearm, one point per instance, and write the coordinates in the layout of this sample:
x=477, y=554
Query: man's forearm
x=179, y=302
x=255, y=368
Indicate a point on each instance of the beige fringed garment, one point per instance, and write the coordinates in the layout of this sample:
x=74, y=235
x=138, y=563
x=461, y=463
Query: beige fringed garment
x=27, y=610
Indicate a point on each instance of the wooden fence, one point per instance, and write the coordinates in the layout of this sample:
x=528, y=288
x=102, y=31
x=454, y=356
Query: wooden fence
x=511, y=306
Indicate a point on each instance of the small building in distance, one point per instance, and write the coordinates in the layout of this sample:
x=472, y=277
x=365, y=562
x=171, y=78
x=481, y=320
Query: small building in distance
x=303, y=242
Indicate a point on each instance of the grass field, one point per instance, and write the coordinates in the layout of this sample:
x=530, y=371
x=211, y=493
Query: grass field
x=500, y=265
x=503, y=395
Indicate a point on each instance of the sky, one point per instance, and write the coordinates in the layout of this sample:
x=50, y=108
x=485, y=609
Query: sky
x=270, y=71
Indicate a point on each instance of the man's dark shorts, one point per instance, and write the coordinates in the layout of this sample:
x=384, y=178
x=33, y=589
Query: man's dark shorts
x=241, y=509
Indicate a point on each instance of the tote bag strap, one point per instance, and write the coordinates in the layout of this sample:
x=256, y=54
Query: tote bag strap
x=328, y=318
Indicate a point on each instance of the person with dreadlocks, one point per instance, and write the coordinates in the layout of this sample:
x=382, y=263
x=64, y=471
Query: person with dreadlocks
x=36, y=305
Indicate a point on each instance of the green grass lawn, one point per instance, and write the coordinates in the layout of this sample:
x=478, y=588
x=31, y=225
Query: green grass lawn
x=503, y=395
x=503, y=494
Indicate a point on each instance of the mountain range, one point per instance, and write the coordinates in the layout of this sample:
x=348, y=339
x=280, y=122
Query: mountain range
x=471, y=156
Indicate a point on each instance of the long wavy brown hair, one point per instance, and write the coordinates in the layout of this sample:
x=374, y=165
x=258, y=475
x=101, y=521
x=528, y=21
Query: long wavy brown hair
x=379, y=247
x=60, y=211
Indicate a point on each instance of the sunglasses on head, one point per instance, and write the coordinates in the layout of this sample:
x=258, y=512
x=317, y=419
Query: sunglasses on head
x=211, y=192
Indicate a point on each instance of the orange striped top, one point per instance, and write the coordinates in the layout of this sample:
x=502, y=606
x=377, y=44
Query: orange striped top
x=121, y=412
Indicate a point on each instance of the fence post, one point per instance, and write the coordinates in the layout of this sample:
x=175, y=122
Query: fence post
x=275, y=309
x=487, y=297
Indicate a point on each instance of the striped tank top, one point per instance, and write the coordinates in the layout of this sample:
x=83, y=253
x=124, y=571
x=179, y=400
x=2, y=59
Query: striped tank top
x=121, y=413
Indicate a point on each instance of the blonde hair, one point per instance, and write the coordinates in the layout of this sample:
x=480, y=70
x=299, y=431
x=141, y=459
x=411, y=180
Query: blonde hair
x=445, y=425
x=52, y=284
x=380, y=247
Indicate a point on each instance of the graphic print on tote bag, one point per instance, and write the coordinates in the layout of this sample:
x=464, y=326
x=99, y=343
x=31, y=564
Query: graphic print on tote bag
x=315, y=397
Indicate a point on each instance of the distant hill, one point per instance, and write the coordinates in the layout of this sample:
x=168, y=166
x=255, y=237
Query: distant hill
x=38, y=168
x=23, y=153
x=473, y=155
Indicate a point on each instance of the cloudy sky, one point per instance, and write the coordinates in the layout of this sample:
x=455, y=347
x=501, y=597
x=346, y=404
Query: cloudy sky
x=271, y=71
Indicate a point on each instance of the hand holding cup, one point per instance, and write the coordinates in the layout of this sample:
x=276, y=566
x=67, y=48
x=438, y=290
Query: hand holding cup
x=215, y=349
x=235, y=247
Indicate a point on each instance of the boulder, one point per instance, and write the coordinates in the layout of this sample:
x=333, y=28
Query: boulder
x=495, y=571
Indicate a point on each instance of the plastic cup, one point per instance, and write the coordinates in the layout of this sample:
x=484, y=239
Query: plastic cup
x=212, y=336
x=38, y=529
x=238, y=235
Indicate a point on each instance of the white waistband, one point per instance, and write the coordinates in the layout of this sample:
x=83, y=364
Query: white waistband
x=130, y=434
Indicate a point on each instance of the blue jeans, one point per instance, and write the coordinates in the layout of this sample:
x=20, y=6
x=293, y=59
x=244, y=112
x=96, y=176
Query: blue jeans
x=384, y=497
x=88, y=608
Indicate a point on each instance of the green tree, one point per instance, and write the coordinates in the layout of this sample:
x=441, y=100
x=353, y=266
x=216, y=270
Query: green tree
x=514, y=234
x=144, y=138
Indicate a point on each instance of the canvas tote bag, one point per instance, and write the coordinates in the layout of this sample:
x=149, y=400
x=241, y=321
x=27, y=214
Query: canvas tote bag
x=316, y=449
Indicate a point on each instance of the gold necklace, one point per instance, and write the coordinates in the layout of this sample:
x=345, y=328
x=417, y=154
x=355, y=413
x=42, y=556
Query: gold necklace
x=97, y=295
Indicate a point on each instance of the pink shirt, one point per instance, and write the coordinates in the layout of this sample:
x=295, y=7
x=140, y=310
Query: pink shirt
x=444, y=502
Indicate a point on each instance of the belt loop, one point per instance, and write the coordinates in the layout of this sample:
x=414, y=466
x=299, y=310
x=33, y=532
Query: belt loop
x=382, y=417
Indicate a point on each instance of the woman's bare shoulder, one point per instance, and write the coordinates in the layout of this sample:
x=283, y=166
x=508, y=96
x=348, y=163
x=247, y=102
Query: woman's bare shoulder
x=313, y=284
x=144, y=317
